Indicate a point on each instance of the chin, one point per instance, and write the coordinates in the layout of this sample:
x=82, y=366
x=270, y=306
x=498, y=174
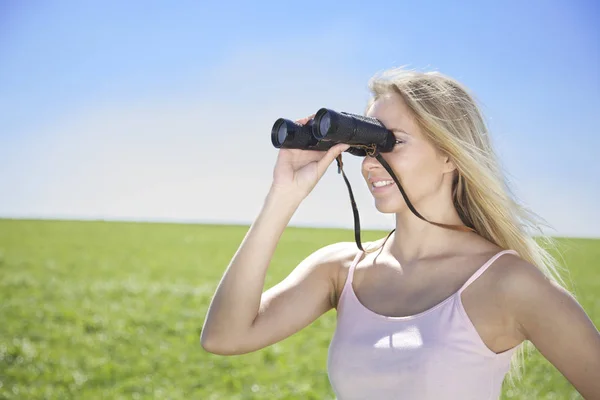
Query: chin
x=390, y=207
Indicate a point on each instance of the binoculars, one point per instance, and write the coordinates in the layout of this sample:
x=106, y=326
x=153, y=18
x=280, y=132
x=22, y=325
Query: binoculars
x=365, y=135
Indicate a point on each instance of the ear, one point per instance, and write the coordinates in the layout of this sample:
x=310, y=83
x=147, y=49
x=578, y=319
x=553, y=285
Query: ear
x=449, y=165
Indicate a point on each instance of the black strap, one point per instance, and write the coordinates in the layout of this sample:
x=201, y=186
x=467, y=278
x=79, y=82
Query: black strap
x=408, y=203
x=354, y=208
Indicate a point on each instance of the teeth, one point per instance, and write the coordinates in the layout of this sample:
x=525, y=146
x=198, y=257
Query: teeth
x=382, y=183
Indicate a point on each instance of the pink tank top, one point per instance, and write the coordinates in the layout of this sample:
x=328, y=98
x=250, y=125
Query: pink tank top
x=435, y=354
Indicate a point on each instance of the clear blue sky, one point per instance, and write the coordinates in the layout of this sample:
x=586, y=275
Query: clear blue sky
x=162, y=110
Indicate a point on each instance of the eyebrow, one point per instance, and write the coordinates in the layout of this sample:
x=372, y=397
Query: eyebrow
x=399, y=130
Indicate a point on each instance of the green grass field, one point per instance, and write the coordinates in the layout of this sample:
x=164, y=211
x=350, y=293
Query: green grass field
x=107, y=310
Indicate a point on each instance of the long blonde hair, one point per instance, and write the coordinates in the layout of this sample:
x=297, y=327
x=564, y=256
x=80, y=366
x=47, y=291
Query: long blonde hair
x=448, y=115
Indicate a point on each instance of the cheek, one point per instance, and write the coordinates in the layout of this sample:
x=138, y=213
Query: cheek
x=417, y=167
x=415, y=164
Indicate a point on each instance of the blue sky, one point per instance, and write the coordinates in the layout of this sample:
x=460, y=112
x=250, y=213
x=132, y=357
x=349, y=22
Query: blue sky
x=162, y=111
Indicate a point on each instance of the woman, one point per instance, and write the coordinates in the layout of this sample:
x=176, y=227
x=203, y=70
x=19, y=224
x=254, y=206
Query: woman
x=434, y=313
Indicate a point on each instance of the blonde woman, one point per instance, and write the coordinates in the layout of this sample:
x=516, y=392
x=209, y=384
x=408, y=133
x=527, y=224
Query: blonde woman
x=433, y=313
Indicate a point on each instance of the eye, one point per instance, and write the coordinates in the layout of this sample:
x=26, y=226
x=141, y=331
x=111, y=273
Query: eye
x=399, y=141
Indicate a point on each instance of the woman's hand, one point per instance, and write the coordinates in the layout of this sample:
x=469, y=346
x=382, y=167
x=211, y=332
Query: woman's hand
x=298, y=171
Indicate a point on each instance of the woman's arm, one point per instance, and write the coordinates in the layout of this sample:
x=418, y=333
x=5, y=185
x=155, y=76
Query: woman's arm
x=240, y=318
x=556, y=324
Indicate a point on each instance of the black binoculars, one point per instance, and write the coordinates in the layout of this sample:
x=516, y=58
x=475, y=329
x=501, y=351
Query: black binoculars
x=365, y=135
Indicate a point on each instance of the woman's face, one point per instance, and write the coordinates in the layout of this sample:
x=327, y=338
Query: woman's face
x=420, y=168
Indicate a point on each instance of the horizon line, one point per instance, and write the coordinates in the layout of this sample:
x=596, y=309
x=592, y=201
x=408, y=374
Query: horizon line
x=176, y=221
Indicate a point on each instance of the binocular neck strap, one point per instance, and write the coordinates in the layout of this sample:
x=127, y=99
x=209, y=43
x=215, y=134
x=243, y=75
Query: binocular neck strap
x=354, y=209
x=408, y=203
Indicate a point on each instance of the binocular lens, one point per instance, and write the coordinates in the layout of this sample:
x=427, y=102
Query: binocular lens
x=292, y=135
x=282, y=132
x=279, y=132
x=324, y=125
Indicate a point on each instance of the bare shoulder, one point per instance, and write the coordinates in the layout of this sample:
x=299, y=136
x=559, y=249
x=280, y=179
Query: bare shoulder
x=523, y=286
x=333, y=262
x=333, y=256
x=515, y=276
x=550, y=317
x=345, y=254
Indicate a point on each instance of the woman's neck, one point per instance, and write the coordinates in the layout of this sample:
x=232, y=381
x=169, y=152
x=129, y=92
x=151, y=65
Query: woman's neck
x=416, y=239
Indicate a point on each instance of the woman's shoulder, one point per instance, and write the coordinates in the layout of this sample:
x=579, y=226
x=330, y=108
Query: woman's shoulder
x=505, y=261
x=334, y=255
x=336, y=258
x=339, y=257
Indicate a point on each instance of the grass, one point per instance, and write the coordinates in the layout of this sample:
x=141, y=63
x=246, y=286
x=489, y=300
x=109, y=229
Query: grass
x=113, y=310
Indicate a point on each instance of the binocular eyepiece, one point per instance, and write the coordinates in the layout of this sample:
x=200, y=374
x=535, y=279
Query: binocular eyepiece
x=329, y=128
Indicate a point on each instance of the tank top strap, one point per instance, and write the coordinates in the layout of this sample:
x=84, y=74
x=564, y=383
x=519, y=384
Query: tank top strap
x=353, y=267
x=484, y=267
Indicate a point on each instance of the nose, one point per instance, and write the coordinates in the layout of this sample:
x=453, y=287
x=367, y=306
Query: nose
x=370, y=163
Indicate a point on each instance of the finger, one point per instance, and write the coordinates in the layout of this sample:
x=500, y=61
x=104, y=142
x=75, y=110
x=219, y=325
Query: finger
x=304, y=121
x=328, y=158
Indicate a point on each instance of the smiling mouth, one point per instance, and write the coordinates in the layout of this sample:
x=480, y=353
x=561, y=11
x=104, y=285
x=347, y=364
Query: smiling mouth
x=381, y=184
